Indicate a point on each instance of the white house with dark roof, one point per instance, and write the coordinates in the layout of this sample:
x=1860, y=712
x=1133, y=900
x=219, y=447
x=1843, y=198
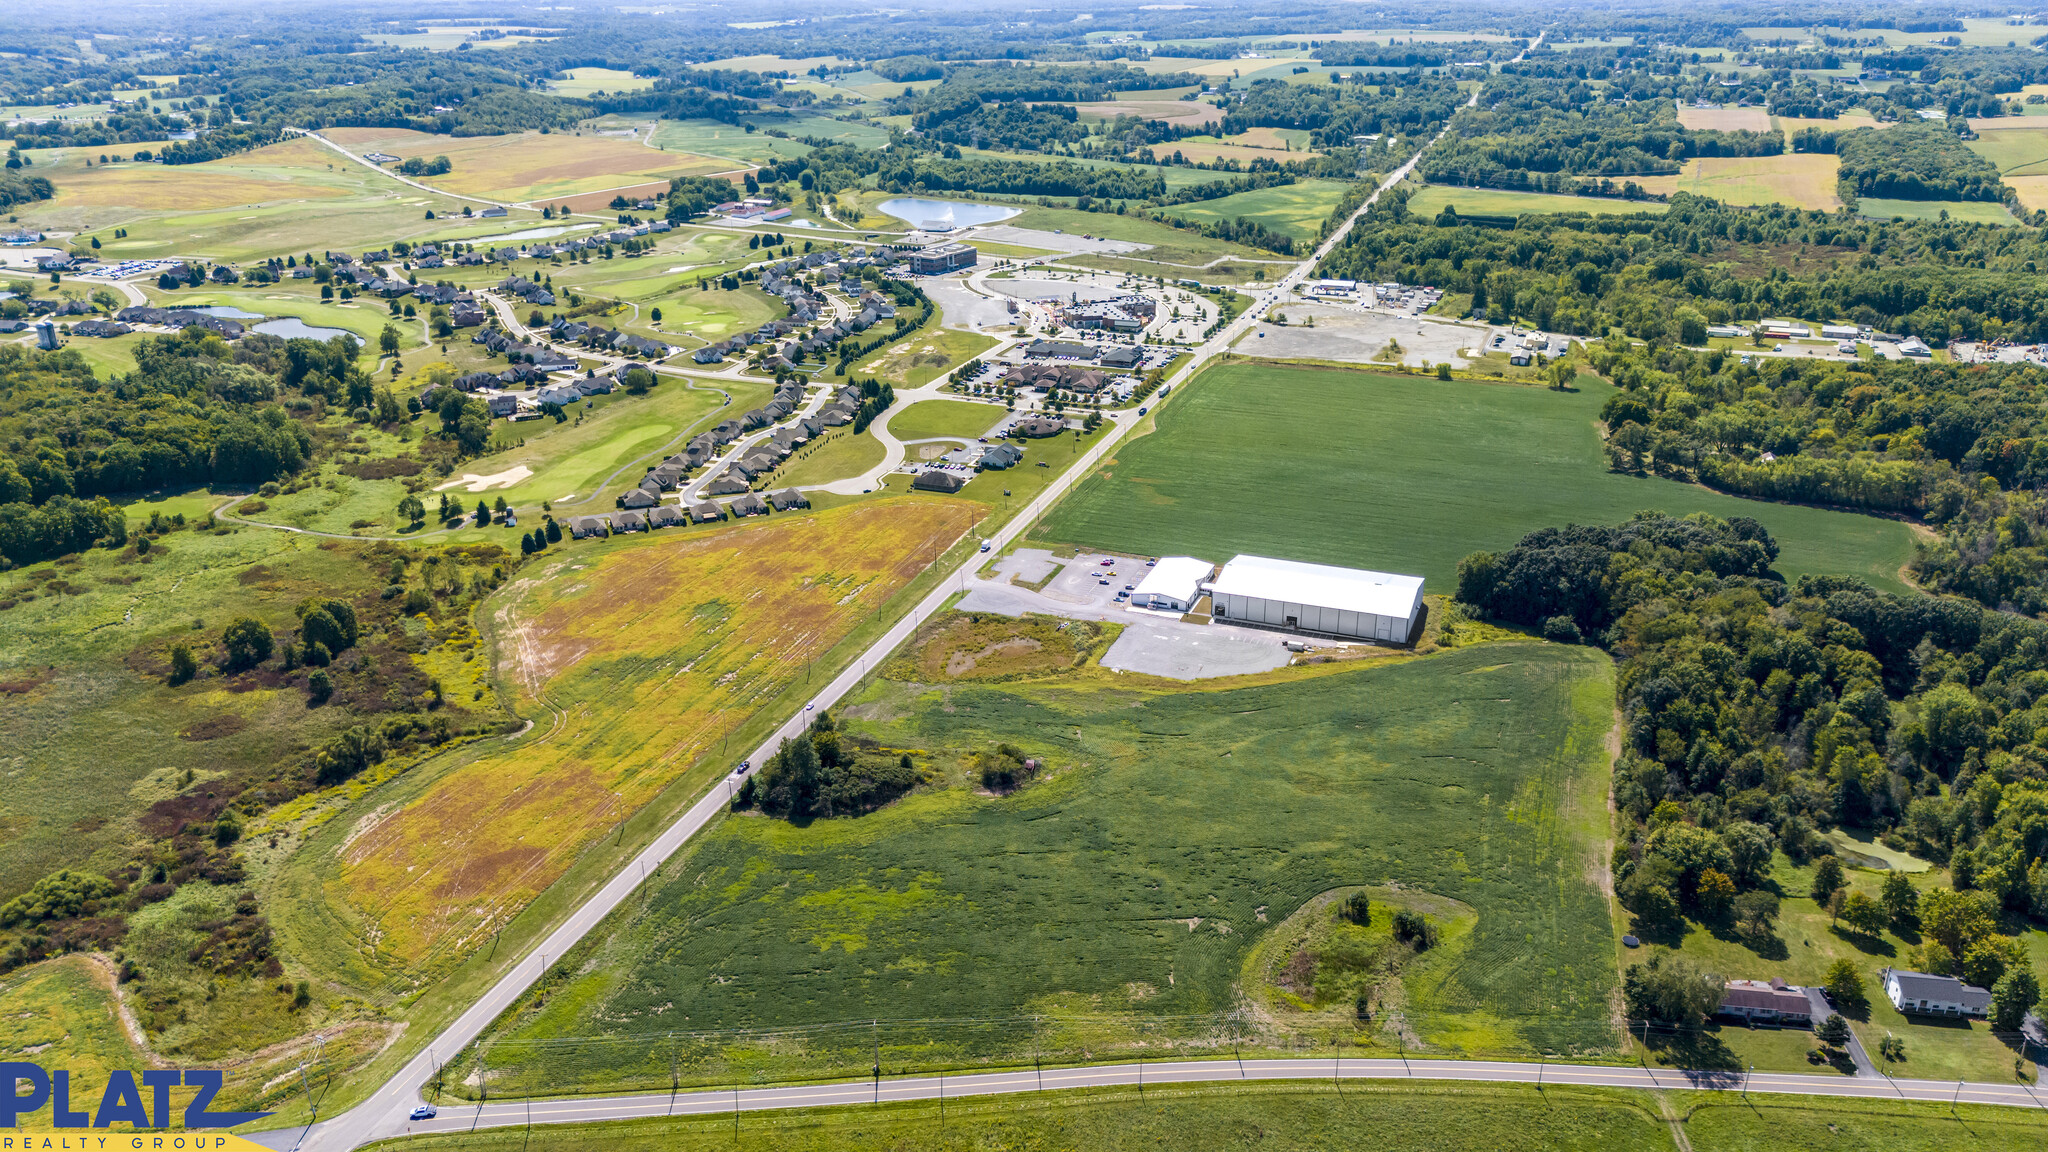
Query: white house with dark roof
x=1924, y=994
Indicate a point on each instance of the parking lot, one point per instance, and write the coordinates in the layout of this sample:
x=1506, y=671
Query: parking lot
x=1086, y=588
x=1347, y=333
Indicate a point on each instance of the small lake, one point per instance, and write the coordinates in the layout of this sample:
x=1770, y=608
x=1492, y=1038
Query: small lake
x=944, y=215
x=293, y=328
x=220, y=310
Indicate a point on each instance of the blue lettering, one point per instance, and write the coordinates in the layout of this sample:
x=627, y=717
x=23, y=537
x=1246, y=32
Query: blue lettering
x=121, y=1101
x=162, y=1081
x=196, y=1116
x=12, y=1105
x=61, y=1114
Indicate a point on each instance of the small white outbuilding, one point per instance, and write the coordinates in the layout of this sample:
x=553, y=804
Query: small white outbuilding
x=1172, y=584
x=1291, y=595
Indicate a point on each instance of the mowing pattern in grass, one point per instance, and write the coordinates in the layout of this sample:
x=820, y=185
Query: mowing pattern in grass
x=1296, y=210
x=934, y=418
x=636, y=659
x=1798, y=180
x=528, y=165
x=1402, y=474
x=1967, y=211
x=1128, y=886
x=1488, y=202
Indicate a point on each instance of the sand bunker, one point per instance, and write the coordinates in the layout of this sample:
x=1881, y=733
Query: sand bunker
x=471, y=482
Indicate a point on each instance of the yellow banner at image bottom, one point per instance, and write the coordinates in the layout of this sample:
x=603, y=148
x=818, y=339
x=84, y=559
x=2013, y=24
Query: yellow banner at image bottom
x=88, y=1140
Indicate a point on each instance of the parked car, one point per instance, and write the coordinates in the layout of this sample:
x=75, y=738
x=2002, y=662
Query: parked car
x=1108, y=563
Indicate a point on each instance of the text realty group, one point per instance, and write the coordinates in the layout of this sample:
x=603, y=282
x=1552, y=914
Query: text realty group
x=120, y=1103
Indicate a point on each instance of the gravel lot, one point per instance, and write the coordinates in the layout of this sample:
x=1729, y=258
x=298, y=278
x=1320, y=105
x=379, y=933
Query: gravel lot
x=1344, y=333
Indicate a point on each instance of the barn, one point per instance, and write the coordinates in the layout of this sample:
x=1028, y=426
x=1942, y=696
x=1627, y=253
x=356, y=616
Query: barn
x=1344, y=602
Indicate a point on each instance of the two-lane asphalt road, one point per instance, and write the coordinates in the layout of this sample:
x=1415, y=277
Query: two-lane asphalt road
x=1336, y=1071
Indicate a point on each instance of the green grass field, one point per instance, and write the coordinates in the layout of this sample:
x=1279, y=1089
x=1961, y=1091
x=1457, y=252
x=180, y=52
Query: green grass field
x=1430, y=200
x=1378, y=1114
x=841, y=454
x=1169, y=245
x=1296, y=210
x=1969, y=211
x=934, y=418
x=1805, y=944
x=584, y=81
x=1402, y=474
x=1129, y=887
x=924, y=354
x=256, y=204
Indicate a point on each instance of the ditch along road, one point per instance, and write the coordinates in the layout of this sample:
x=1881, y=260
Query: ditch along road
x=383, y=1113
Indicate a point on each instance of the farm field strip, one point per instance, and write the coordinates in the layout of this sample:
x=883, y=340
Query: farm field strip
x=530, y=166
x=1404, y=475
x=645, y=656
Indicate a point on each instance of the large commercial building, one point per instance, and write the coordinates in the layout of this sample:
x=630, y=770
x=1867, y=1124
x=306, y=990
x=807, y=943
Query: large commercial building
x=1122, y=314
x=1345, y=602
x=940, y=258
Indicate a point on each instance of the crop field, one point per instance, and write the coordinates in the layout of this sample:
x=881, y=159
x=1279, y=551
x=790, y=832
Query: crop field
x=1128, y=888
x=1970, y=211
x=1165, y=111
x=635, y=658
x=1850, y=119
x=1210, y=149
x=2022, y=158
x=929, y=419
x=1402, y=474
x=1798, y=180
x=712, y=138
x=582, y=82
x=1724, y=119
x=254, y=204
x=529, y=166
x=1431, y=199
x=1296, y=210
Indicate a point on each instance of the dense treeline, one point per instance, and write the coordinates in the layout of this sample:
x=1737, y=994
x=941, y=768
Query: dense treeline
x=1016, y=125
x=1704, y=263
x=18, y=188
x=1914, y=161
x=1755, y=716
x=1964, y=448
x=1548, y=135
x=1335, y=114
x=195, y=411
x=968, y=87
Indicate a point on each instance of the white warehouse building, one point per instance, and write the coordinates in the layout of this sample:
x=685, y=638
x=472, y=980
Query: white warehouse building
x=1346, y=602
x=1173, y=584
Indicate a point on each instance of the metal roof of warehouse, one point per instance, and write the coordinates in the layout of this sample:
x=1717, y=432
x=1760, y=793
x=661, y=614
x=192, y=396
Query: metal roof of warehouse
x=1344, y=589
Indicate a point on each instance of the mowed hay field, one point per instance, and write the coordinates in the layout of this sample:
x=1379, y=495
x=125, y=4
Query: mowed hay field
x=1401, y=474
x=636, y=658
x=1296, y=210
x=1126, y=890
x=254, y=204
x=1724, y=119
x=1431, y=200
x=2021, y=155
x=529, y=165
x=1796, y=180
